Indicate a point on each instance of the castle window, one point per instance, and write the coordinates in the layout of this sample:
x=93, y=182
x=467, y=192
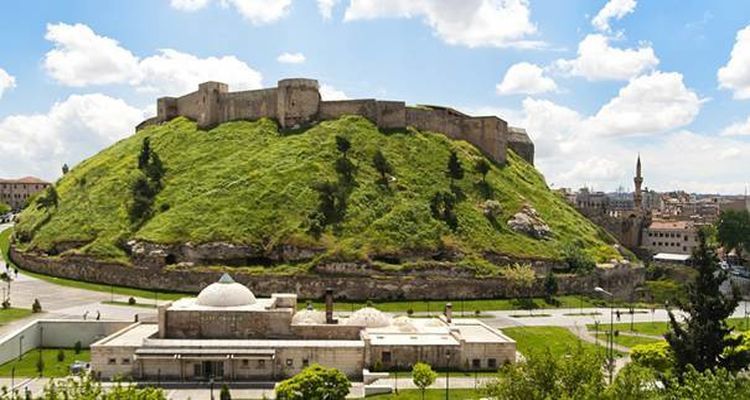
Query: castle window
x=305, y=363
x=476, y=363
x=125, y=361
x=245, y=363
x=492, y=363
x=112, y=361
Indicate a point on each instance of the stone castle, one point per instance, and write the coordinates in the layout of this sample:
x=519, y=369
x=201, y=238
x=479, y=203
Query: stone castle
x=296, y=103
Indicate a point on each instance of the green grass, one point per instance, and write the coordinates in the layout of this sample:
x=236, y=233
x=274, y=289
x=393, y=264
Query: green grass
x=467, y=306
x=659, y=328
x=431, y=394
x=12, y=314
x=243, y=182
x=627, y=340
x=117, y=290
x=26, y=367
x=558, y=340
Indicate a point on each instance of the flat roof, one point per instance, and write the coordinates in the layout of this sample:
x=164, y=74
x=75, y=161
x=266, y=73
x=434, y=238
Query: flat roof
x=672, y=257
x=412, y=339
x=132, y=336
x=190, y=304
x=248, y=343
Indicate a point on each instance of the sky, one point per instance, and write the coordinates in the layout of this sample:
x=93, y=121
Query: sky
x=594, y=82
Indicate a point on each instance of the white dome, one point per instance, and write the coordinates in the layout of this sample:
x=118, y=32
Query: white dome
x=404, y=324
x=225, y=293
x=369, y=318
x=309, y=317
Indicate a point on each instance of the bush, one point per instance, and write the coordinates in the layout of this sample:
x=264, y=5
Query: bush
x=77, y=347
x=6, y=304
x=36, y=307
x=657, y=356
x=577, y=260
x=315, y=382
x=225, y=394
x=131, y=301
x=60, y=355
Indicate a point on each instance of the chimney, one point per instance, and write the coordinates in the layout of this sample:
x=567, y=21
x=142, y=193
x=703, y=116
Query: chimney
x=449, y=312
x=329, y=306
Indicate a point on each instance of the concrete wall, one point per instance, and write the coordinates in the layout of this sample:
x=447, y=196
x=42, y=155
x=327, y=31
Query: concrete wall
x=223, y=324
x=326, y=332
x=55, y=333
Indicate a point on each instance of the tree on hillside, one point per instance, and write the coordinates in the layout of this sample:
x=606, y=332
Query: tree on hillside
x=315, y=383
x=455, y=171
x=343, y=145
x=483, y=168
x=383, y=167
x=331, y=202
x=145, y=155
x=701, y=339
x=423, y=376
x=733, y=231
x=441, y=205
x=550, y=286
x=49, y=198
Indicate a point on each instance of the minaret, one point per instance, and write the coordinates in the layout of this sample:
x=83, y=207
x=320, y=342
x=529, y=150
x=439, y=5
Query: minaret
x=638, y=180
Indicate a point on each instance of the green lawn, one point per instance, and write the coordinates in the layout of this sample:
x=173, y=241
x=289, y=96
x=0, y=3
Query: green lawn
x=12, y=314
x=432, y=394
x=464, y=308
x=117, y=290
x=27, y=366
x=560, y=341
x=627, y=340
x=658, y=328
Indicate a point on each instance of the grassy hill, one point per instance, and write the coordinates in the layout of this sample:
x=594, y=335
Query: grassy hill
x=244, y=182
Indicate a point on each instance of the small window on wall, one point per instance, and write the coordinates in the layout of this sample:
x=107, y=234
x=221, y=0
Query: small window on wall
x=245, y=363
x=305, y=363
x=261, y=364
x=476, y=363
x=386, y=356
x=112, y=361
x=491, y=363
x=289, y=362
x=125, y=361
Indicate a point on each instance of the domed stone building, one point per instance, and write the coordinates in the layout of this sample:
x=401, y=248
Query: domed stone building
x=226, y=333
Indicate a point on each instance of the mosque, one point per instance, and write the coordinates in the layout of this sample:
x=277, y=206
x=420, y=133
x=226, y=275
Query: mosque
x=226, y=333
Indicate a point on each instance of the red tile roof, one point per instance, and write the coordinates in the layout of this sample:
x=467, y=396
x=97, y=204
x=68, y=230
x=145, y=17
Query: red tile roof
x=25, y=179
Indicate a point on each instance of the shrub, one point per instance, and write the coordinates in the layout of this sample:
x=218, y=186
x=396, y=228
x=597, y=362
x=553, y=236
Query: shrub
x=6, y=304
x=77, y=347
x=225, y=394
x=492, y=209
x=577, y=260
x=60, y=355
x=657, y=356
x=131, y=301
x=315, y=382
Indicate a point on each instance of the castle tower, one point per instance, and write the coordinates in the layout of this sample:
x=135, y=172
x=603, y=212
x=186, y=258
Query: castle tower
x=638, y=180
x=298, y=102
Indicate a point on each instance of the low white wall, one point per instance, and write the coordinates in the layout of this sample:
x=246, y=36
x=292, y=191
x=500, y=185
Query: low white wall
x=55, y=333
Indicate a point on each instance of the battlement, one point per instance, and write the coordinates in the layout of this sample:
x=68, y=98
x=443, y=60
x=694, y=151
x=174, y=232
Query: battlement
x=297, y=103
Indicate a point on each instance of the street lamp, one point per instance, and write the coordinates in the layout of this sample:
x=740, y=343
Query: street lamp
x=212, y=387
x=610, y=350
x=447, y=373
x=20, y=347
x=395, y=370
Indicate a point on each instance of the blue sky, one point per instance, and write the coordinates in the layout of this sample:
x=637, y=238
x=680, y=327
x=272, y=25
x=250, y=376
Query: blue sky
x=594, y=82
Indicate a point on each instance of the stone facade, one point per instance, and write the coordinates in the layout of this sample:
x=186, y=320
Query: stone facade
x=297, y=103
x=358, y=284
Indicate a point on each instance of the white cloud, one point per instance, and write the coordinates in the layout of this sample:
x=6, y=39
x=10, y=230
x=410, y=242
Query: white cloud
x=70, y=131
x=329, y=93
x=737, y=129
x=472, y=23
x=291, y=58
x=257, y=12
x=188, y=5
x=525, y=78
x=735, y=76
x=326, y=7
x=7, y=81
x=614, y=9
x=175, y=73
x=82, y=58
x=648, y=104
x=597, y=60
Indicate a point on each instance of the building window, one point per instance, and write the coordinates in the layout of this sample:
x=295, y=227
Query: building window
x=289, y=362
x=492, y=363
x=245, y=363
x=125, y=361
x=112, y=361
x=305, y=363
x=476, y=363
x=386, y=357
x=261, y=364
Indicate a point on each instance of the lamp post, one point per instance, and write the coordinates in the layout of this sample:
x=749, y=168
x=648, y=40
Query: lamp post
x=447, y=374
x=395, y=371
x=13, y=382
x=211, y=382
x=20, y=347
x=610, y=349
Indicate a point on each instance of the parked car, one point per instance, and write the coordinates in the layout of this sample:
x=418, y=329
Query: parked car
x=79, y=367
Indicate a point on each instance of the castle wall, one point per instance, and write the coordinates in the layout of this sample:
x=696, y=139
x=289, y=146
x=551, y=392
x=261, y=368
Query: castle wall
x=335, y=109
x=249, y=105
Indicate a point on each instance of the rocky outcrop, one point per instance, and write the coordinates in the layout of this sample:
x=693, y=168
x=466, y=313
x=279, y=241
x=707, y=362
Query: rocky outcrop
x=529, y=222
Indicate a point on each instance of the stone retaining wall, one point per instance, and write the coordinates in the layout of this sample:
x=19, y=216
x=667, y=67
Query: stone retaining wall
x=620, y=279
